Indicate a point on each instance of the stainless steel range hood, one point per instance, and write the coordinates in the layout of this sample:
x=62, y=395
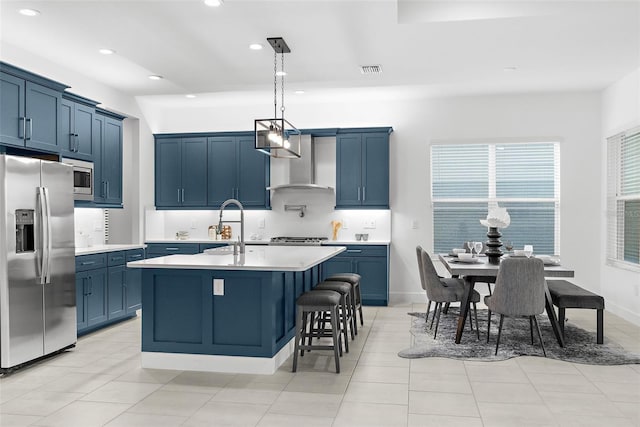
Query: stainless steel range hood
x=302, y=171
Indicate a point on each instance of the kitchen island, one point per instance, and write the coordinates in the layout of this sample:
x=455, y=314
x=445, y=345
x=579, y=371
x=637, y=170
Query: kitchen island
x=222, y=312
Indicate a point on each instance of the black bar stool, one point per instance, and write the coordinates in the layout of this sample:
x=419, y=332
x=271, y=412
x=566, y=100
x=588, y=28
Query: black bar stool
x=356, y=296
x=316, y=302
x=346, y=308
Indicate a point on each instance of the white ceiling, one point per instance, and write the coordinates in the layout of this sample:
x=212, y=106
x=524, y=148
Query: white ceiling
x=439, y=47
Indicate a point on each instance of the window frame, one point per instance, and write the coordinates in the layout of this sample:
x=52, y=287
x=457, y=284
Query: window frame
x=492, y=198
x=614, y=255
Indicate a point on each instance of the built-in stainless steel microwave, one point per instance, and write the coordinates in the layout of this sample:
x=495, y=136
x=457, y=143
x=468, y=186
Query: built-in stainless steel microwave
x=83, y=188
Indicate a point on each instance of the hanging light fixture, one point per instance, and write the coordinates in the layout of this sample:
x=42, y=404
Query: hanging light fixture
x=276, y=137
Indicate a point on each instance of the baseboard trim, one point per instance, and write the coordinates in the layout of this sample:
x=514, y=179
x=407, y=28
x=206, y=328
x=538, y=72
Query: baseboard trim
x=623, y=312
x=217, y=363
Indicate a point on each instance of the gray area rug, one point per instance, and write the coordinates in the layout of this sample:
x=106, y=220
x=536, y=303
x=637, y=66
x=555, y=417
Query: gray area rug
x=580, y=345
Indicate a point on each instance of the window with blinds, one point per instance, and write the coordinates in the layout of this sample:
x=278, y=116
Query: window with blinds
x=623, y=198
x=524, y=178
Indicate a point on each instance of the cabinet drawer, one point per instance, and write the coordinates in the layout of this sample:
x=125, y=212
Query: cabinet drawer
x=134, y=255
x=90, y=262
x=363, y=250
x=162, y=249
x=115, y=258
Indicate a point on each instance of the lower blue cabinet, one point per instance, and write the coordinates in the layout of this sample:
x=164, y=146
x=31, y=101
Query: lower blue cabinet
x=108, y=293
x=369, y=261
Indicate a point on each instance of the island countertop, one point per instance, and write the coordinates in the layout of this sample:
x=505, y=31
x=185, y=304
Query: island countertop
x=256, y=258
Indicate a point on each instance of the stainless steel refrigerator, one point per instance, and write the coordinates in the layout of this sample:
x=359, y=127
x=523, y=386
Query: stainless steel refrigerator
x=37, y=264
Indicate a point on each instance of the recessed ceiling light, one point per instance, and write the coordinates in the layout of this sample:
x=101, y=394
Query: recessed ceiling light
x=299, y=92
x=213, y=3
x=155, y=77
x=29, y=12
x=190, y=96
x=107, y=51
x=510, y=69
x=281, y=73
x=255, y=46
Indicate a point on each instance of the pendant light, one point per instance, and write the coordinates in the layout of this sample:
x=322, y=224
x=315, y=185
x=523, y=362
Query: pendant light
x=276, y=137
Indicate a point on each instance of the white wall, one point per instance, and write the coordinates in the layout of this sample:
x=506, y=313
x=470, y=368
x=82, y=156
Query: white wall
x=573, y=119
x=620, y=111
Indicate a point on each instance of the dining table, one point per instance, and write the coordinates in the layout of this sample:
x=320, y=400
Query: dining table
x=480, y=268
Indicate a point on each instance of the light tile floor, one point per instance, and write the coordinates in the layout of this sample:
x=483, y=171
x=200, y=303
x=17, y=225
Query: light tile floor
x=101, y=382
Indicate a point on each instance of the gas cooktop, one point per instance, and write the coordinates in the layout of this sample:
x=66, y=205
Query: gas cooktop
x=284, y=240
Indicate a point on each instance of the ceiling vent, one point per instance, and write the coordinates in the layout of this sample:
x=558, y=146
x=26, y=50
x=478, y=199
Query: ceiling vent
x=371, y=69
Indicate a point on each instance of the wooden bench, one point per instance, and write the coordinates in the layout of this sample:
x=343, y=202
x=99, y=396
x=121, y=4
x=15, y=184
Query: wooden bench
x=565, y=295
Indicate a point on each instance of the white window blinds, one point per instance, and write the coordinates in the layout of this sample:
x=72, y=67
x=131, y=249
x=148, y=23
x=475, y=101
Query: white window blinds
x=623, y=197
x=523, y=177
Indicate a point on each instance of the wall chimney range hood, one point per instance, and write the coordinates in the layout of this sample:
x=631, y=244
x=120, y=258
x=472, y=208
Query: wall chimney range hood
x=302, y=171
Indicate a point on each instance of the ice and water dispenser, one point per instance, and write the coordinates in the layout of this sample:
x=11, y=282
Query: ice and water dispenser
x=25, y=241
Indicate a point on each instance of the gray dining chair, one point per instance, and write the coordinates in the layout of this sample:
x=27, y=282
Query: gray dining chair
x=519, y=292
x=442, y=290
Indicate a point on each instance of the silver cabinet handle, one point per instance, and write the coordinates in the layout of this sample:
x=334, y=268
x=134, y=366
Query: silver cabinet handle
x=107, y=189
x=77, y=143
x=183, y=195
x=354, y=251
x=30, y=128
x=87, y=262
x=178, y=195
x=22, y=130
x=72, y=142
x=358, y=193
x=364, y=194
x=90, y=279
x=172, y=249
x=135, y=256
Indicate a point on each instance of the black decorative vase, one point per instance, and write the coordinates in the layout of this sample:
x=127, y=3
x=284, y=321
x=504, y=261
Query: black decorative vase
x=494, y=253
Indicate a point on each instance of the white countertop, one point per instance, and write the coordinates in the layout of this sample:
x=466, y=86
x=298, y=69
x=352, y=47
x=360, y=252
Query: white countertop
x=356, y=242
x=258, y=258
x=96, y=249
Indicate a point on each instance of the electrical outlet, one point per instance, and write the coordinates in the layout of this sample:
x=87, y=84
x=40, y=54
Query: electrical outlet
x=371, y=223
x=415, y=224
x=344, y=224
x=193, y=225
x=261, y=223
x=218, y=286
x=97, y=226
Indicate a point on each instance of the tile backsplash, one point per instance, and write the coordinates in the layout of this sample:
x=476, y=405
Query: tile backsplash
x=89, y=227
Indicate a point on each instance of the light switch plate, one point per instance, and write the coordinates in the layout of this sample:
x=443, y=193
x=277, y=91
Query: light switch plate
x=344, y=224
x=218, y=286
x=261, y=223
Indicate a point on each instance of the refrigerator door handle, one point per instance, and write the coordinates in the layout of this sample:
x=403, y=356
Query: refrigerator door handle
x=43, y=235
x=49, y=236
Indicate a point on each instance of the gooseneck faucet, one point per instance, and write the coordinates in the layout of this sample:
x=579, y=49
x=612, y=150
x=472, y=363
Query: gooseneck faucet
x=238, y=204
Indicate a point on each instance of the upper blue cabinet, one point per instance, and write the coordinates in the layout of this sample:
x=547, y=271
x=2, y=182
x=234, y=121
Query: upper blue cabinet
x=30, y=108
x=237, y=170
x=362, y=168
x=107, y=160
x=181, y=172
x=75, y=134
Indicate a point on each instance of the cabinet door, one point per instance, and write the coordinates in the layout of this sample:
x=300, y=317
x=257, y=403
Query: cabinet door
x=11, y=110
x=348, y=170
x=81, y=295
x=375, y=170
x=84, y=121
x=115, y=293
x=253, y=174
x=99, y=189
x=66, y=129
x=168, y=172
x=42, y=106
x=112, y=161
x=194, y=172
x=133, y=288
x=373, y=285
x=337, y=265
x=96, y=296
x=222, y=170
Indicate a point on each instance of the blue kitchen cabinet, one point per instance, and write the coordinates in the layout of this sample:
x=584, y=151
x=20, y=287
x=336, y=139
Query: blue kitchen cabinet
x=76, y=134
x=181, y=172
x=91, y=297
x=362, y=170
x=116, y=295
x=369, y=261
x=29, y=110
x=133, y=282
x=107, y=160
x=238, y=171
